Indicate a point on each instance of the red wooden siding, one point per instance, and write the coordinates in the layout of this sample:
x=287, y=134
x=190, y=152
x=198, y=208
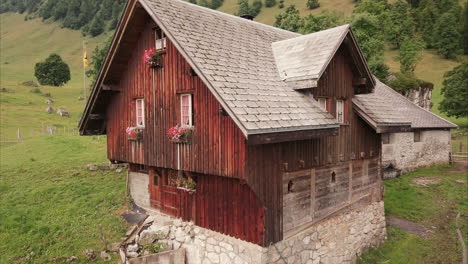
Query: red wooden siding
x=217, y=146
x=221, y=204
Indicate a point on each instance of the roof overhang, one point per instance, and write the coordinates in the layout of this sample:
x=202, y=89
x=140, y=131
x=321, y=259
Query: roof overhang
x=278, y=137
x=382, y=127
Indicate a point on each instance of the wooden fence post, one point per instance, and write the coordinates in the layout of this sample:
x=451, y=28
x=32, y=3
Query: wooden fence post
x=19, y=135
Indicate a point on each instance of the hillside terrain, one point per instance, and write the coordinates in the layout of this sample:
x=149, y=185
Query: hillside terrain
x=23, y=44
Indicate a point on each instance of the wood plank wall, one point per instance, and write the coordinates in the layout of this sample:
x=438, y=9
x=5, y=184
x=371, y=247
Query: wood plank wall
x=267, y=163
x=217, y=146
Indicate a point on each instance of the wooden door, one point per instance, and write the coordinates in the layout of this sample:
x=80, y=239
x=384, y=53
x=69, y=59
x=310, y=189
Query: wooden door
x=155, y=182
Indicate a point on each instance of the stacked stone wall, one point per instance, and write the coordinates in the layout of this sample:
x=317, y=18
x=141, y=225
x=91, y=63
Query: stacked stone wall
x=339, y=239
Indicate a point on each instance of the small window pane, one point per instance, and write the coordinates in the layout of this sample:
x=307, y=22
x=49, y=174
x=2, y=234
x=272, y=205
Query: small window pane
x=160, y=39
x=417, y=136
x=385, y=138
x=155, y=180
x=140, y=111
x=186, y=110
x=323, y=103
x=340, y=111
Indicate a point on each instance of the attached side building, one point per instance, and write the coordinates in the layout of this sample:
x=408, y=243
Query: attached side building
x=425, y=142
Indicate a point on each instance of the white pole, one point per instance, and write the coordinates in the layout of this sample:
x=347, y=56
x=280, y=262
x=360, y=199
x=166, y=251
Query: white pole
x=84, y=74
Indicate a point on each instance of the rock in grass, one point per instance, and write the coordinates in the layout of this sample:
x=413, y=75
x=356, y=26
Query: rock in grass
x=72, y=259
x=105, y=256
x=92, y=167
x=49, y=110
x=90, y=254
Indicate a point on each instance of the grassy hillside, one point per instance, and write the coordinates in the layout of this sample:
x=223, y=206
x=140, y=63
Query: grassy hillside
x=24, y=43
x=267, y=15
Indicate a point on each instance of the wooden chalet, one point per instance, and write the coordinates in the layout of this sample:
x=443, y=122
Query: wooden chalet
x=263, y=140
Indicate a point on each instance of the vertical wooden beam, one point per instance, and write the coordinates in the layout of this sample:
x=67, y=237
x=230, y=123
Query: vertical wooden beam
x=350, y=183
x=312, y=193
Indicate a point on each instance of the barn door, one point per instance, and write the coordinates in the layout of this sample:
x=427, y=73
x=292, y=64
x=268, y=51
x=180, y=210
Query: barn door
x=170, y=196
x=155, y=188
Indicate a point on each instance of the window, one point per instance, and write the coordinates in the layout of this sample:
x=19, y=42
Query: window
x=186, y=109
x=385, y=138
x=140, y=112
x=340, y=111
x=417, y=136
x=155, y=180
x=323, y=103
x=333, y=177
x=160, y=39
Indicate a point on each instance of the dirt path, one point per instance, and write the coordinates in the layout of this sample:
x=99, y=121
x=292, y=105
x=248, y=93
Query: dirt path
x=408, y=226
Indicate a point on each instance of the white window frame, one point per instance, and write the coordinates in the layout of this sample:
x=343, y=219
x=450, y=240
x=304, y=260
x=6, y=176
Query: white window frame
x=340, y=110
x=159, y=40
x=322, y=102
x=142, y=100
x=190, y=111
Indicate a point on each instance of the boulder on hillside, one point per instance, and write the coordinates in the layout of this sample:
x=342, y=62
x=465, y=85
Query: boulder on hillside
x=49, y=101
x=49, y=110
x=63, y=112
x=30, y=83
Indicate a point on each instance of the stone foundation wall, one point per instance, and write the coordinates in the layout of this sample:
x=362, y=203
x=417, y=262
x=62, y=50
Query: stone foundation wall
x=407, y=155
x=336, y=240
x=138, y=186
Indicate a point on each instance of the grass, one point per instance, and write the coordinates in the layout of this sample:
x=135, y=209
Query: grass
x=51, y=205
x=435, y=207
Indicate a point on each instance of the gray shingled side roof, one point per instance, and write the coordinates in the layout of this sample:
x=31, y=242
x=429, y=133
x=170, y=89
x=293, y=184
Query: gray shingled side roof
x=306, y=57
x=386, y=105
x=234, y=57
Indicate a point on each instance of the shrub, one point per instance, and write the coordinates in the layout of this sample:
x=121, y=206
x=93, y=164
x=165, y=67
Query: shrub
x=312, y=4
x=270, y=3
x=53, y=71
x=404, y=82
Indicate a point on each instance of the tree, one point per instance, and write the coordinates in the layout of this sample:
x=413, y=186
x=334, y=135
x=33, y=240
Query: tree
x=256, y=8
x=290, y=19
x=97, y=58
x=270, y=3
x=447, y=37
x=244, y=8
x=215, y=4
x=455, y=92
x=373, y=7
x=400, y=23
x=410, y=54
x=312, y=4
x=426, y=21
x=53, y=71
x=465, y=29
x=378, y=68
x=97, y=25
x=369, y=35
x=323, y=21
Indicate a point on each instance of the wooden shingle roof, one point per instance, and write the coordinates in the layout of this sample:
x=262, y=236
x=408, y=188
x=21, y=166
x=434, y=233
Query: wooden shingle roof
x=386, y=107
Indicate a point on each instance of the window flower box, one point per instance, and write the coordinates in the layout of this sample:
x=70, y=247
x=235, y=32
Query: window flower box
x=134, y=133
x=179, y=134
x=186, y=184
x=153, y=58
